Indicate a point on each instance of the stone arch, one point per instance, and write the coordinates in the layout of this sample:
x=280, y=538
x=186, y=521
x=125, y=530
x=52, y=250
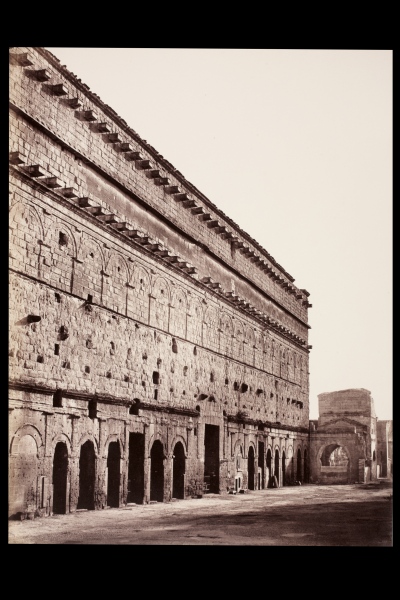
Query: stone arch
x=27, y=229
x=159, y=304
x=16, y=214
x=113, y=437
x=249, y=345
x=238, y=448
x=252, y=444
x=138, y=294
x=115, y=285
x=89, y=269
x=24, y=495
x=289, y=464
x=158, y=436
x=88, y=455
x=238, y=339
x=226, y=326
x=258, y=350
x=328, y=447
x=61, y=437
x=211, y=334
x=157, y=479
x=31, y=430
x=178, y=438
x=195, y=321
x=63, y=249
x=88, y=437
x=179, y=309
x=251, y=471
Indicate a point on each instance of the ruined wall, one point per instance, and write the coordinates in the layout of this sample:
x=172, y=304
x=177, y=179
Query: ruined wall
x=136, y=307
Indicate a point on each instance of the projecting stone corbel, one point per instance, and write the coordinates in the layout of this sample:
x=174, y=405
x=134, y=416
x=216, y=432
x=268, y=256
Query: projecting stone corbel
x=17, y=158
x=20, y=58
x=35, y=171
x=88, y=115
x=74, y=103
x=53, y=182
x=41, y=74
x=58, y=89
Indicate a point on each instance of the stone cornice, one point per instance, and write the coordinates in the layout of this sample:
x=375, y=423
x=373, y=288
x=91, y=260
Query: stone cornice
x=152, y=151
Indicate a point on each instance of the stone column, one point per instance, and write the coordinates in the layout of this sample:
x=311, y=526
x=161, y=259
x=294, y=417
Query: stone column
x=147, y=464
x=101, y=492
x=73, y=465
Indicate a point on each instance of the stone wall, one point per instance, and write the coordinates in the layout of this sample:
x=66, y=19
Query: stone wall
x=136, y=307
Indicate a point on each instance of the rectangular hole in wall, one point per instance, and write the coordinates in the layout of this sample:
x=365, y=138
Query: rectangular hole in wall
x=56, y=349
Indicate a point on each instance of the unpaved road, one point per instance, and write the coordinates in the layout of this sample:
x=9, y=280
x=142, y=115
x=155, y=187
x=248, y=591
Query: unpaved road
x=311, y=515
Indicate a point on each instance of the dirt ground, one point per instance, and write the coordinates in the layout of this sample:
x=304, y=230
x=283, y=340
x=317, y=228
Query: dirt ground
x=310, y=515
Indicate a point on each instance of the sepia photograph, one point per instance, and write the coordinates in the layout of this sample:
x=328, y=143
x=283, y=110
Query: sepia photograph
x=200, y=297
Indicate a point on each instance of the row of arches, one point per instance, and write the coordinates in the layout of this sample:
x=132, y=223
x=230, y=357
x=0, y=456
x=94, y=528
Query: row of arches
x=279, y=469
x=28, y=489
x=83, y=268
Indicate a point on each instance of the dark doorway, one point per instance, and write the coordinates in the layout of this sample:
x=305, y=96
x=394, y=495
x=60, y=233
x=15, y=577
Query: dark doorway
x=276, y=473
x=261, y=465
x=250, y=468
x=299, y=474
x=157, y=472
x=113, y=474
x=178, y=482
x=211, y=457
x=87, y=472
x=269, y=465
x=60, y=472
x=306, y=471
x=136, y=468
x=283, y=468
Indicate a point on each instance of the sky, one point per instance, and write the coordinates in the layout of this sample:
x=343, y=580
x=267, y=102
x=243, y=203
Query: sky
x=296, y=147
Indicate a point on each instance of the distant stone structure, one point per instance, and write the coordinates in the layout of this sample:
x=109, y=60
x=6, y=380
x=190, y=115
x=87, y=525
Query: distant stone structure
x=156, y=350
x=346, y=438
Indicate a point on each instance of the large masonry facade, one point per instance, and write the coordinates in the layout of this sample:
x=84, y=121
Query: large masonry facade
x=156, y=350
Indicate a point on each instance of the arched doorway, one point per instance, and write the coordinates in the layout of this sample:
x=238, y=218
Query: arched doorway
x=299, y=472
x=23, y=476
x=60, y=474
x=335, y=465
x=250, y=468
x=269, y=466
x=157, y=472
x=306, y=470
x=276, y=469
x=283, y=468
x=87, y=473
x=113, y=474
x=178, y=475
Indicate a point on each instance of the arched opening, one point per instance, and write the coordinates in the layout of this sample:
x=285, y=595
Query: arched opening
x=113, y=474
x=334, y=456
x=269, y=465
x=60, y=473
x=306, y=469
x=23, y=476
x=211, y=457
x=276, y=470
x=157, y=472
x=178, y=479
x=250, y=468
x=334, y=465
x=299, y=472
x=261, y=466
x=87, y=473
x=283, y=468
x=136, y=468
